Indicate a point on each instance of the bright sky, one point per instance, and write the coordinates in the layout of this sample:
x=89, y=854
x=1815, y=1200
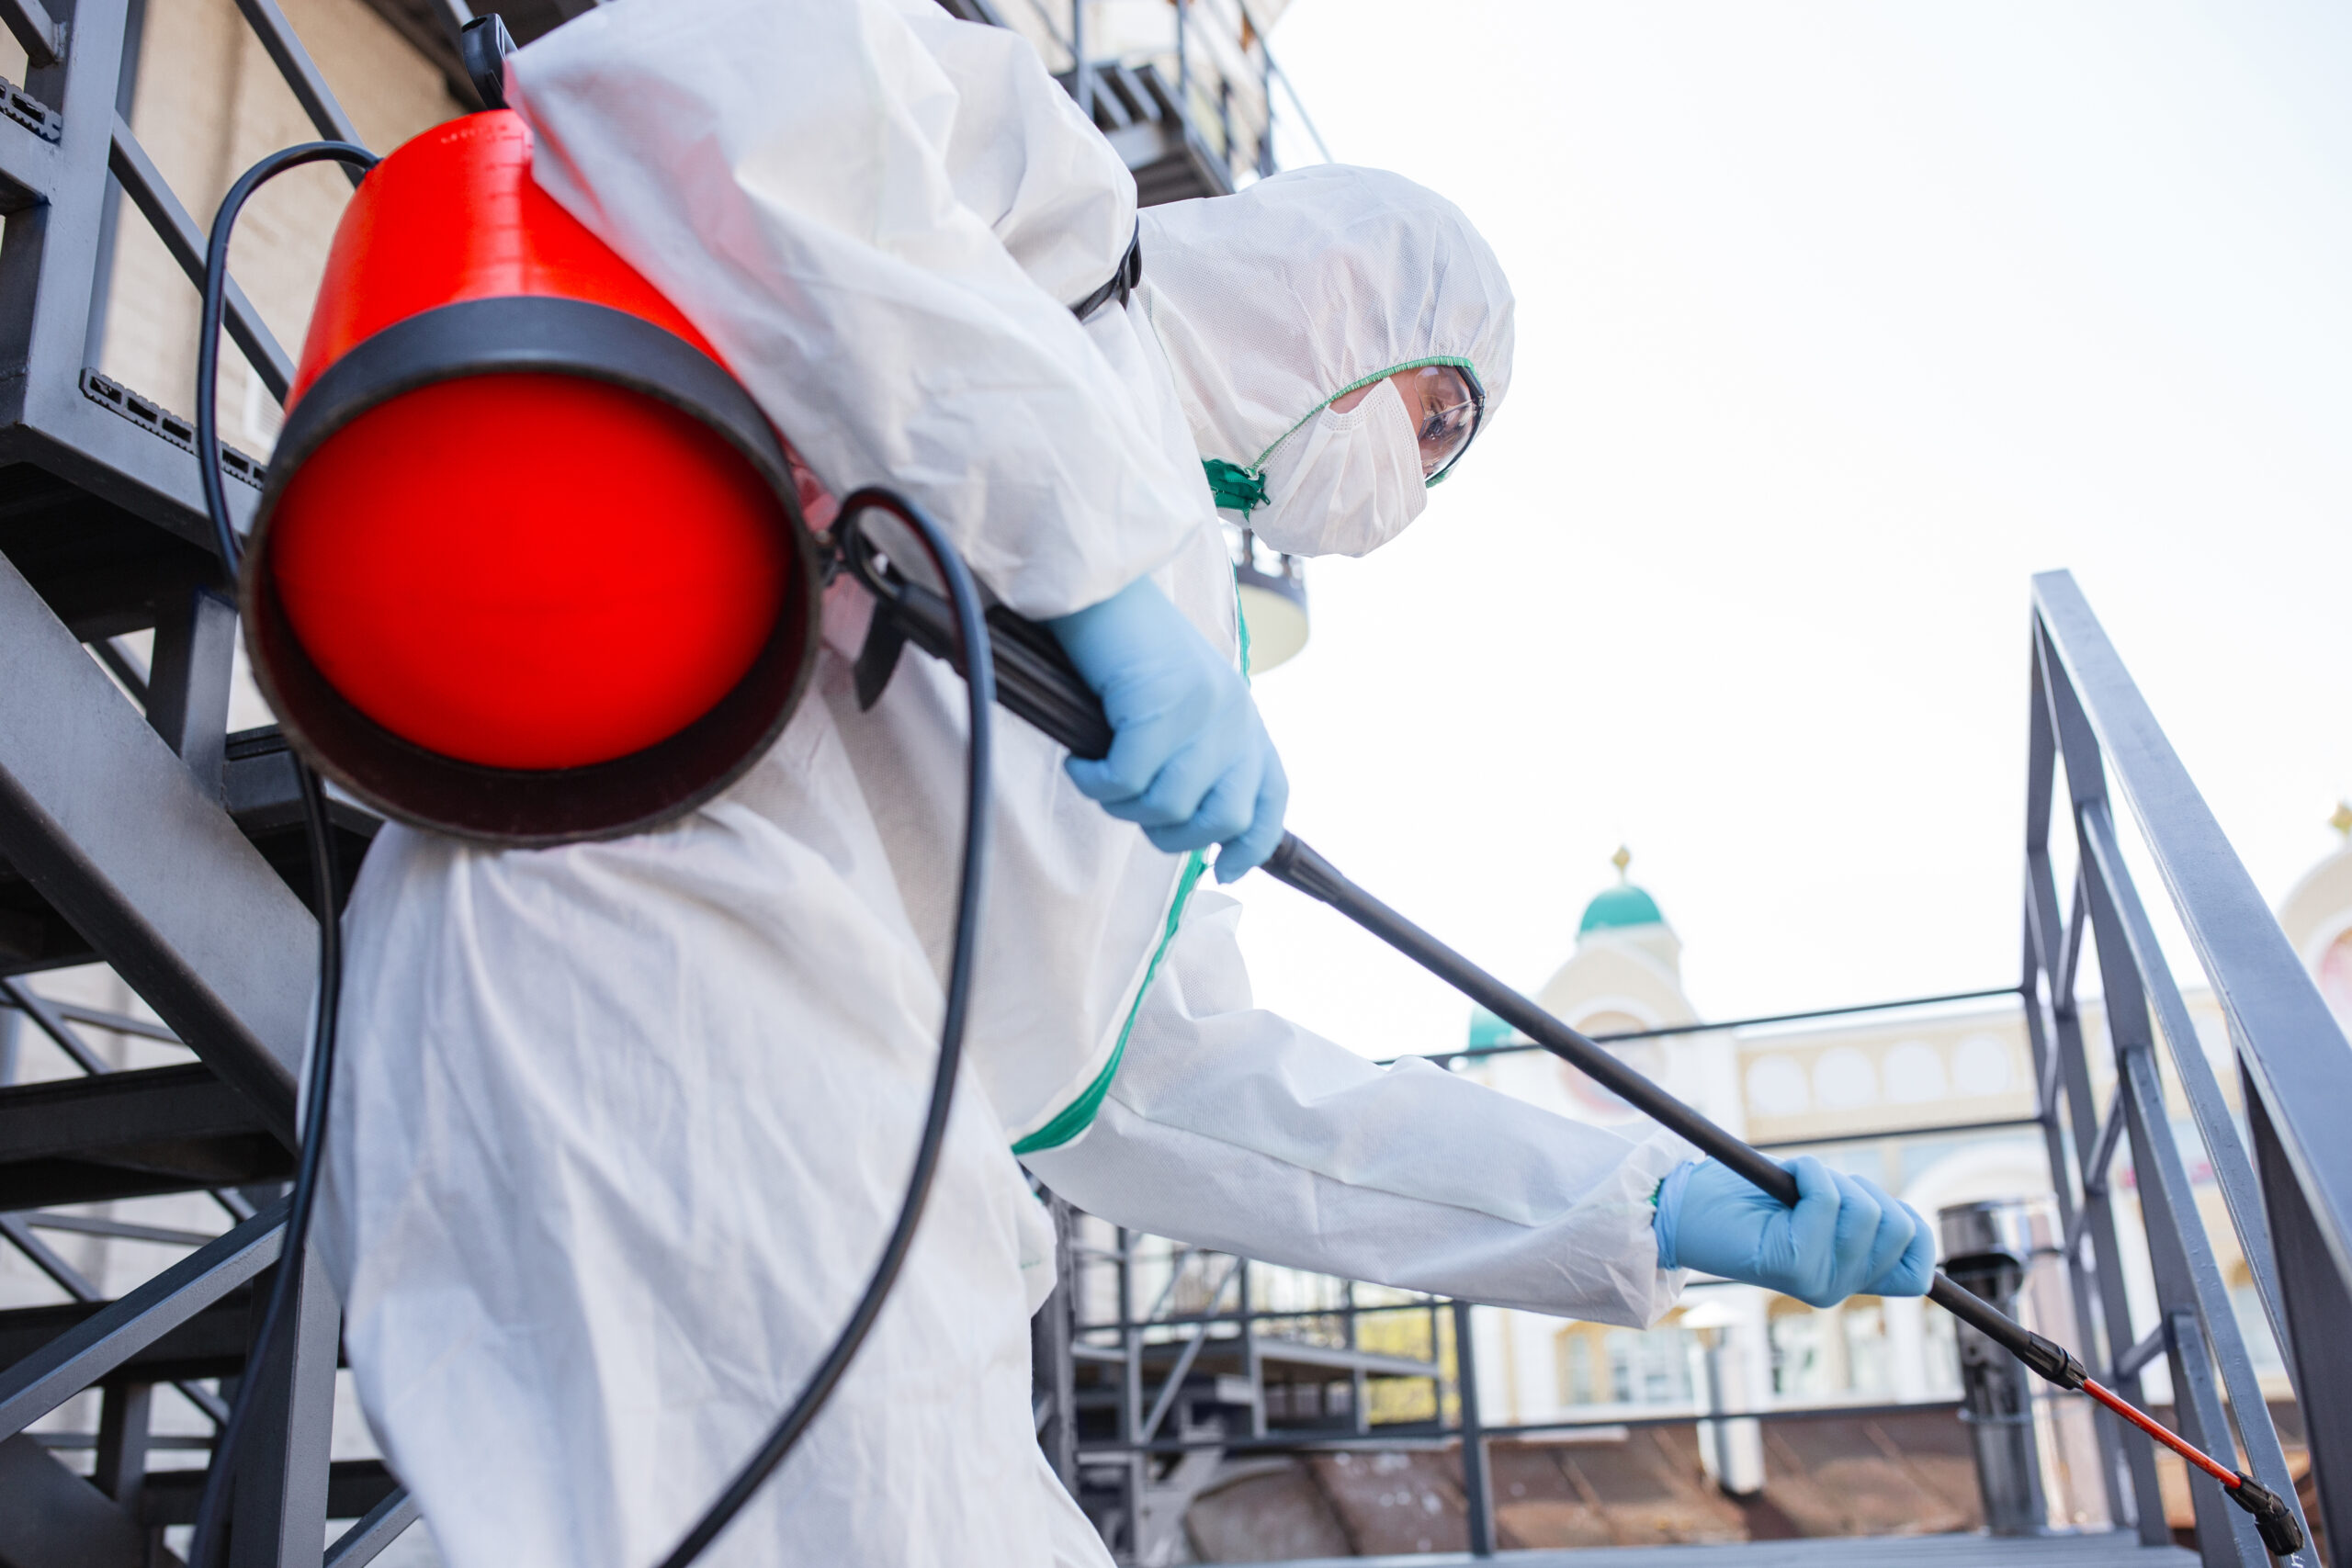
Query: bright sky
x=1837, y=322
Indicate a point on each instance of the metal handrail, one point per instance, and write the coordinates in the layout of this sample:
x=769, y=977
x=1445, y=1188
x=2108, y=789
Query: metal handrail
x=2288, y=1042
x=1519, y=1048
x=2289, y=1196
x=1083, y=89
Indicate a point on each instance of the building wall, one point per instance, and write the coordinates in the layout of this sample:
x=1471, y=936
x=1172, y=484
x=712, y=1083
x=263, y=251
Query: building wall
x=208, y=103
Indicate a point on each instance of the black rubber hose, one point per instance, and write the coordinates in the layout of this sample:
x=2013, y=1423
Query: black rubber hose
x=971, y=626
x=319, y=832
x=208, y=344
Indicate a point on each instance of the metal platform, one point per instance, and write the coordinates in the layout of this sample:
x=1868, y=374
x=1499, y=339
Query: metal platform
x=2109, y=1548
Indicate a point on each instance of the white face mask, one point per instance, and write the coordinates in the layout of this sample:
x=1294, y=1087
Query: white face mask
x=1346, y=483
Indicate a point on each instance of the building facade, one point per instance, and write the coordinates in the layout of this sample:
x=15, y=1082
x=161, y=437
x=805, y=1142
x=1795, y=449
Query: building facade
x=1935, y=1103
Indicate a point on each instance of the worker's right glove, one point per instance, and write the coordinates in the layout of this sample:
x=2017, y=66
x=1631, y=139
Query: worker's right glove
x=1845, y=1234
x=1190, y=760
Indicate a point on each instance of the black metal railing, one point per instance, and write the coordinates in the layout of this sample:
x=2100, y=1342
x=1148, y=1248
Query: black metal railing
x=1196, y=109
x=2284, y=1183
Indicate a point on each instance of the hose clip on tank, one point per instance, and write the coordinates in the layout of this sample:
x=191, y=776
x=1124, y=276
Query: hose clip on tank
x=484, y=45
x=1035, y=678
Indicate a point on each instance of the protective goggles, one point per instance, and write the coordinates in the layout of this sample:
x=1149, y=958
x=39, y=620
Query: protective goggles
x=1444, y=403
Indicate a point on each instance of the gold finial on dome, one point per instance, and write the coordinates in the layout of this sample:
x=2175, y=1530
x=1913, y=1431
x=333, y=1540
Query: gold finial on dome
x=2342, y=820
x=1625, y=857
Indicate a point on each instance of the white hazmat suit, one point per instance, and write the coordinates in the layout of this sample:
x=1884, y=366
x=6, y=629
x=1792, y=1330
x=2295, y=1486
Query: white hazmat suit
x=620, y=1126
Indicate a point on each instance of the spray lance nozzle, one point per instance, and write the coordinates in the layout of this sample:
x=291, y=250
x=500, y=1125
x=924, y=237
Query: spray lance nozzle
x=2281, y=1532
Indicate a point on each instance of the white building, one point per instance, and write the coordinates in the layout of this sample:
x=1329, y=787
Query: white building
x=1861, y=1093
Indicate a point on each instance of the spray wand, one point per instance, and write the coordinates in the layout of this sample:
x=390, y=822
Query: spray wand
x=1036, y=681
x=1296, y=866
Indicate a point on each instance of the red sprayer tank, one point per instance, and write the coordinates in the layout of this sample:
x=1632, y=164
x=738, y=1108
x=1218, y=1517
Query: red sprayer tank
x=528, y=565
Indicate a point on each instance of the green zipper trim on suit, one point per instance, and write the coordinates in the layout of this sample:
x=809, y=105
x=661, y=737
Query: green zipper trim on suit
x=1079, y=1114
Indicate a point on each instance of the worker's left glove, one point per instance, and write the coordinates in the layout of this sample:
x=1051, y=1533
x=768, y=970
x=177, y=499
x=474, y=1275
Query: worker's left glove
x=1190, y=759
x=1846, y=1235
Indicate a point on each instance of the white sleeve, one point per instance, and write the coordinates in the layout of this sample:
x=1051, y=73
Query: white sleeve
x=800, y=178
x=1232, y=1128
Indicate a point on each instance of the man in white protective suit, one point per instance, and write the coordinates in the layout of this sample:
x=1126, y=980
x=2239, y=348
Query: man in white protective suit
x=620, y=1126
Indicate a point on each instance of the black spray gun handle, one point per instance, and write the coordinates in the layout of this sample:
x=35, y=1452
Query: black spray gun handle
x=1037, y=682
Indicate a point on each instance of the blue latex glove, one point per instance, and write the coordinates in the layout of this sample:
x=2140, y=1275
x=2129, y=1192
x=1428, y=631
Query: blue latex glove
x=1190, y=760
x=1845, y=1236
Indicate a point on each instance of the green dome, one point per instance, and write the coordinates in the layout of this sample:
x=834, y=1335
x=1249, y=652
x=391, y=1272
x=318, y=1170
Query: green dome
x=1487, y=1030
x=1623, y=905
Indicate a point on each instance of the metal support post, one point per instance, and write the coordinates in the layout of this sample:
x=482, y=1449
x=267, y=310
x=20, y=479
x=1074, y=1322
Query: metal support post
x=121, y=1469
x=2070, y=1215
x=1252, y=1367
x=2132, y=1485
x=1049, y=1350
x=1266, y=94
x=2224, y=1535
x=188, y=683
x=1361, y=1399
x=2233, y=1170
x=1478, y=1491
x=278, y=1513
x=1130, y=1392
x=2318, y=1308
x=2188, y=1275
x=1081, y=75
x=1986, y=1247
x=134, y=34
